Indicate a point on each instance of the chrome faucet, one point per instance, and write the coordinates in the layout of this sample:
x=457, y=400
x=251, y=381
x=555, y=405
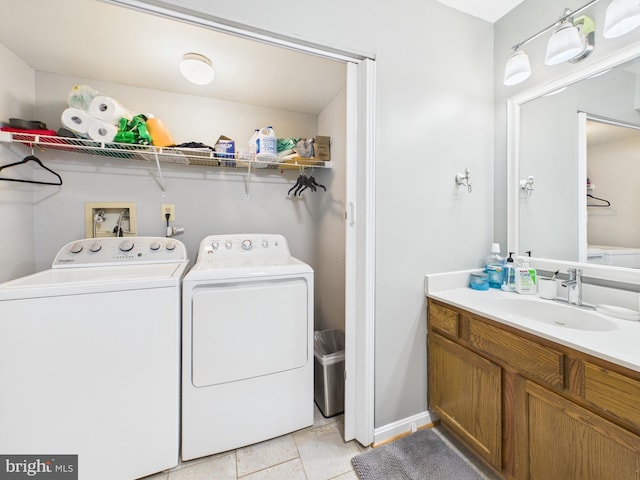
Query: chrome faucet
x=574, y=286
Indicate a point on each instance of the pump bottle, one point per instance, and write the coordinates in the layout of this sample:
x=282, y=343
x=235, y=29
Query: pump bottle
x=509, y=277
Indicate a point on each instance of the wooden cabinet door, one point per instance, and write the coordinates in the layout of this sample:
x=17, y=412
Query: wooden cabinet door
x=558, y=440
x=465, y=391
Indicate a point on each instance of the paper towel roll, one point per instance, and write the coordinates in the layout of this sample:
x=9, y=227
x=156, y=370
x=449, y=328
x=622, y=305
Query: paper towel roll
x=76, y=120
x=101, y=131
x=108, y=110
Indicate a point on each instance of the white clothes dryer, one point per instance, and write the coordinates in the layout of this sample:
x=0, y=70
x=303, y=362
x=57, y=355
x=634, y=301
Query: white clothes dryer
x=247, y=352
x=90, y=357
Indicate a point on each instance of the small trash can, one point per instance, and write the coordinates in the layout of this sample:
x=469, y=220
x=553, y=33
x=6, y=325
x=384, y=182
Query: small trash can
x=329, y=371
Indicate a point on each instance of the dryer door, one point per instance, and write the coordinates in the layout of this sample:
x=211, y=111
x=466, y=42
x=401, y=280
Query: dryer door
x=247, y=330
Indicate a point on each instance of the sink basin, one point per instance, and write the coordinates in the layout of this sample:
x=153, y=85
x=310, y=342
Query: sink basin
x=556, y=314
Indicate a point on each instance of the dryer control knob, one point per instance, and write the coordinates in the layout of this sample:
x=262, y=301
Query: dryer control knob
x=228, y=244
x=265, y=244
x=126, y=246
x=246, y=244
x=171, y=246
x=215, y=245
x=155, y=245
x=75, y=248
x=95, y=247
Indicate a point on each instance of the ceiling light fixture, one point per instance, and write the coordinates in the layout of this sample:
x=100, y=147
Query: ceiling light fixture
x=197, y=68
x=572, y=39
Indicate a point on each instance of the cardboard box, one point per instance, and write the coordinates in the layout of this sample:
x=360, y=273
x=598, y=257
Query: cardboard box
x=322, y=148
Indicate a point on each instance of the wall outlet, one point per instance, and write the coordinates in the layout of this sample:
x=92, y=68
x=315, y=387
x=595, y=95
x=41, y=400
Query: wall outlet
x=171, y=210
x=101, y=219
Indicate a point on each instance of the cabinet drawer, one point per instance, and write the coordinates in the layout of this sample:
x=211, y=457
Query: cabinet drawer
x=529, y=358
x=613, y=392
x=443, y=320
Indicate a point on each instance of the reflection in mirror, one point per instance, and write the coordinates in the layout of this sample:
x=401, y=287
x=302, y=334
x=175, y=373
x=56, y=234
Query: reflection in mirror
x=613, y=196
x=560, y=147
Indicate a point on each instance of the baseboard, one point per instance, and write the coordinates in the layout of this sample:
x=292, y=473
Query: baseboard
x=403, y=427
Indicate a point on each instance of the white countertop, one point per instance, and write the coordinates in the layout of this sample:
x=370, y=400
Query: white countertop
x=620, y=345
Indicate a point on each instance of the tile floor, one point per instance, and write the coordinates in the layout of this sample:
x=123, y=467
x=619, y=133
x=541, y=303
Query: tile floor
x=314, y=453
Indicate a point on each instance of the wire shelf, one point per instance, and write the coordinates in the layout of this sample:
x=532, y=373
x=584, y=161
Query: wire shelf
x=204, y=157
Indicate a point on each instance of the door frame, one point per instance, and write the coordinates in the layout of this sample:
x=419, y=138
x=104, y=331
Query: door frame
x=359, y=214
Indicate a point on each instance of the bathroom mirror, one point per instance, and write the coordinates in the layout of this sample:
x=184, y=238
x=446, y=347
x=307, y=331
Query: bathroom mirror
x=572, y=166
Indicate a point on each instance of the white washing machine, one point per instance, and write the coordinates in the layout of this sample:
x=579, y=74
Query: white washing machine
x=90, y=357
x=247, y=352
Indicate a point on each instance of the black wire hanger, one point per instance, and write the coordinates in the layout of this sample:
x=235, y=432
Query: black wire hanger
x=606, y=203
x=303, y=182
x=30, y=158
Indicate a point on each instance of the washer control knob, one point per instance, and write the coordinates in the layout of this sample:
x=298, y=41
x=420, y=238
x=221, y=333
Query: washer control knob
x=155, y=245
x=75, y=248
x=265, y=243
x=215, y=245
x=95, y=247
x=126, y=246
x=246, y=244
x=228, y=244
x=171, y=246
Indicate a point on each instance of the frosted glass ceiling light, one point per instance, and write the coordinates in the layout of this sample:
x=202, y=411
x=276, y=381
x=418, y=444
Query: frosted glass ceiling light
x=622, y=17
x=518, y=68
x=197, y=69
x=572, y=41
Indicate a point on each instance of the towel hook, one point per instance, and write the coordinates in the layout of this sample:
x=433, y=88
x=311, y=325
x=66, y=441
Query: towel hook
x=526, y=185
x=464, y=179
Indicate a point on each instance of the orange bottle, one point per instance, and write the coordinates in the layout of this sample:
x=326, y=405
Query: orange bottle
x=160, y=136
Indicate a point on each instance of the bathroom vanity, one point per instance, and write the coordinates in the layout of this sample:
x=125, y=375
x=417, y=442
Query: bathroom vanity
x=532, y=398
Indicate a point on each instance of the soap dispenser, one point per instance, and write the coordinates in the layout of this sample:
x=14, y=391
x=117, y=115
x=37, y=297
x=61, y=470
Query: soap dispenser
x=509, y=278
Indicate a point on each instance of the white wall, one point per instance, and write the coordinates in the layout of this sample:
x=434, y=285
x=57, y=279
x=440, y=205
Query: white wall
x=330, y=222
x=16, y=199
x=614, y=169
x=434, y=119
x=334, y=23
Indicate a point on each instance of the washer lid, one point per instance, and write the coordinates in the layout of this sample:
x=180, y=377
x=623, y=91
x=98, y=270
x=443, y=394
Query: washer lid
x=71, y=281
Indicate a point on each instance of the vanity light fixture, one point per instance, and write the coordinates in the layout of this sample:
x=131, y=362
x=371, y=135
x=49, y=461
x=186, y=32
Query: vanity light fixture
x=572, y=38
x=197, y=68
x=622, y=17
x=571, y=41
x=518, y=68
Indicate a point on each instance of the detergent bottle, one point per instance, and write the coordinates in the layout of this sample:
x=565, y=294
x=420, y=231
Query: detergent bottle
x=160, y=136
x=267, y=143
x=253, y=142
